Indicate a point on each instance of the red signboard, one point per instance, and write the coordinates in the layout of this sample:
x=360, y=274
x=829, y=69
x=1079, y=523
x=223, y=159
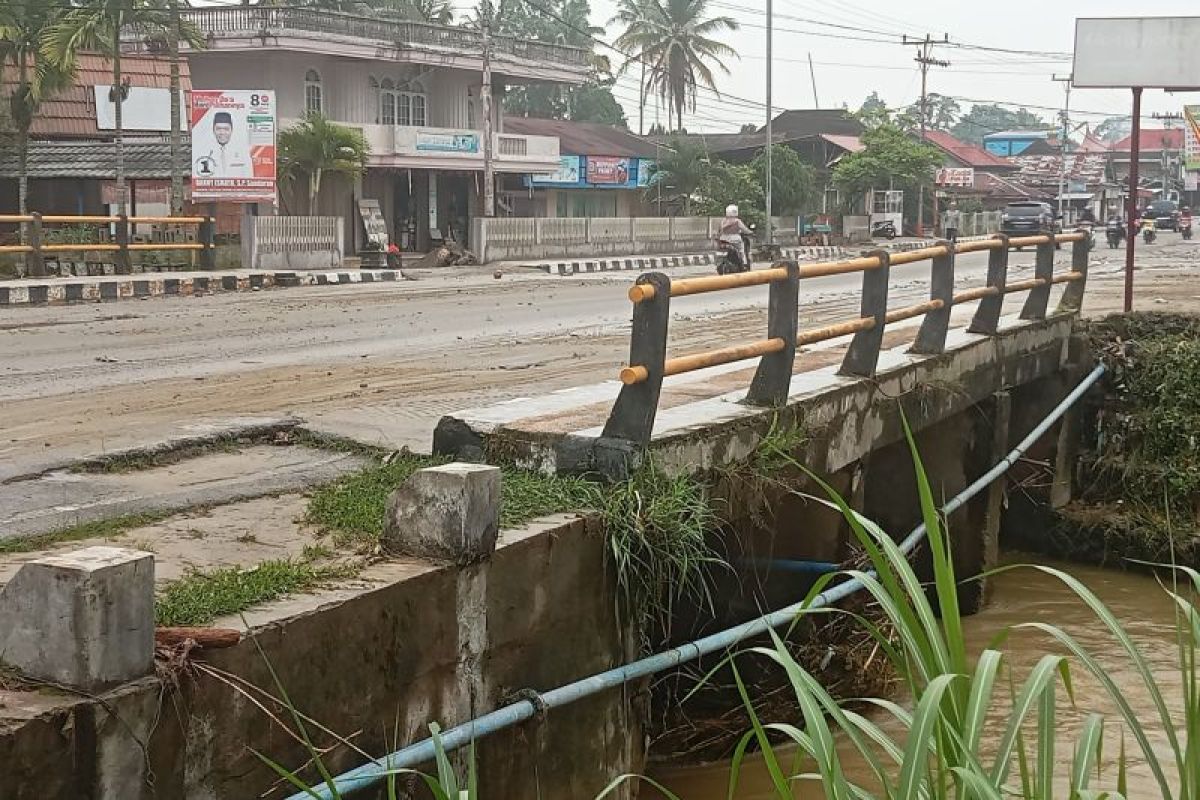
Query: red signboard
x=607, y=169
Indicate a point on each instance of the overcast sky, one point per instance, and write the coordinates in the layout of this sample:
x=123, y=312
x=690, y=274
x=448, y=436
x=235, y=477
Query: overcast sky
x=847, y=70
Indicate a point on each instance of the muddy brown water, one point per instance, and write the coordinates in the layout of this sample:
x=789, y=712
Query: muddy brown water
x=1022, y=596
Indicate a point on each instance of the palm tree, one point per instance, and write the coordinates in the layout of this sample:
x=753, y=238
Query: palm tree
x=23, y=24
x=316, y=146
x=675, y=41
x=678, y=173
x=98, y=25
x=633, y=15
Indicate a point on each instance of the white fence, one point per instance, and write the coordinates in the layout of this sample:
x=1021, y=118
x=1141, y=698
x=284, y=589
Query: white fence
x=292, y=242
x=980, y=223
x=508, y=238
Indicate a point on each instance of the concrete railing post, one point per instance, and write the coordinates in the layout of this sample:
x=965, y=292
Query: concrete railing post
x=1072, y=299
x=124, y=265
x=931, y=339
x=208, y=238
x=987, y=316
x=632, y=416
x=83, y=619
x=863, y=355
x=587, y=229
x=1039, y=296
x=447, y=513
x=774, y=375
x=35, y=261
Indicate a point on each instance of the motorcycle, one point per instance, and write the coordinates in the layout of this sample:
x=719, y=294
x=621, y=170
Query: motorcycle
x=1185, y=228
x=731, y=261
x=1148, y=233
x=885, y=228
x=1115, y=231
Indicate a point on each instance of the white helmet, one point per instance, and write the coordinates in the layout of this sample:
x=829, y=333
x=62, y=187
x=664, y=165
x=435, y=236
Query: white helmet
x=731, y=210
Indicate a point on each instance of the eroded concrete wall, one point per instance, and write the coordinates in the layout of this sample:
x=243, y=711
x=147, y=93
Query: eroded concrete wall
x=377, y=664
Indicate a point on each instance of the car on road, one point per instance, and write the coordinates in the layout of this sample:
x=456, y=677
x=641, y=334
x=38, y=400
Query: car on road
x=1165, y=214
x=1027, y=219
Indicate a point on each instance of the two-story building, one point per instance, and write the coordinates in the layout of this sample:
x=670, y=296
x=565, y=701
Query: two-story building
x=412, y=88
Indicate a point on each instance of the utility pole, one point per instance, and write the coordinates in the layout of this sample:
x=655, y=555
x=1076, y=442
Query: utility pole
x=926, y=60
x=485, y=94
x=173, y=37
x=1066, y=127
x=1165, y=155
x=770, y=140
x=813, y=75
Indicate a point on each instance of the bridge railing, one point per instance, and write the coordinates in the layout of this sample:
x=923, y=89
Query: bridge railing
x=36, y=246
x=633, y=414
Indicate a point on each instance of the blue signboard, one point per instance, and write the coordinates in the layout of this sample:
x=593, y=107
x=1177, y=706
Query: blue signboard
x=595, y=172
x=447, y=142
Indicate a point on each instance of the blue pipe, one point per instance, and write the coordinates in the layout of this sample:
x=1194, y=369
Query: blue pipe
x=790, y=565
x=507, y=716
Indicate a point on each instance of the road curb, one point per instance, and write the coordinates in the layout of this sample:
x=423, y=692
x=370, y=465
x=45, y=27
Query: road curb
x=92, y=290
x=661, y=262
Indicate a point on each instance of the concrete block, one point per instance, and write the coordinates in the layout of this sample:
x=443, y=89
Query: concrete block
x=447, y=513
x=83, y=619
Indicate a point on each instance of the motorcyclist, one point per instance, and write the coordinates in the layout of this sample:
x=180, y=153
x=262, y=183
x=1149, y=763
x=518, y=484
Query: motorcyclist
x=731, y=232
x=1185, y=219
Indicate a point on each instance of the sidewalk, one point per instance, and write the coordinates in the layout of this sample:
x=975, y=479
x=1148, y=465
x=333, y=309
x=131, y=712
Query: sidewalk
x=42, y=291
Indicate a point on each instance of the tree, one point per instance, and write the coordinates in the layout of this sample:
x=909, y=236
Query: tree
x=792, y=181
x=942, y=112
x=633, y=14
x=889, y=158
x=595, y=103
x=315, y=146
x=676, y=42
x=739, y=184
x=1113, y=129
x=985, y=118
x=23, y=28
x=98, y=25
x=873, y=112
x=748, y=127
x=678, y=173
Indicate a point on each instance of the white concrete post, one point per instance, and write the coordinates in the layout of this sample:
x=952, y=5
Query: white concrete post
x=447, y=513
x=83, y=619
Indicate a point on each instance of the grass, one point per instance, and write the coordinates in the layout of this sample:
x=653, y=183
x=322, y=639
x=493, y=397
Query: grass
x=98, y=529
x=203, y=595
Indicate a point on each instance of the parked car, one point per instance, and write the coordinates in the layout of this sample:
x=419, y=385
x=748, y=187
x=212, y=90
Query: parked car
x=1165, y=214
x=1028, y=219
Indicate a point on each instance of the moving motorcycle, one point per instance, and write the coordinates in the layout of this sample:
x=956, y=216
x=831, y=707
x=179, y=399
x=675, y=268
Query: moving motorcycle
x=1148, y=233
x=730, y=260
x=1186, y=230
x=1114, y=230
x=885, y=228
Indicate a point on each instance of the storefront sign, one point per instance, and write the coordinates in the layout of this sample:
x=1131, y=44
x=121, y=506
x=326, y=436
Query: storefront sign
x=567, y=173
x=233, y=146
x=430, y=142
x=608, y=170
x=963, y=177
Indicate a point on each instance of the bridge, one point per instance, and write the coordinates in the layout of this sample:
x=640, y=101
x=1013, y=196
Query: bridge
x=507, y=631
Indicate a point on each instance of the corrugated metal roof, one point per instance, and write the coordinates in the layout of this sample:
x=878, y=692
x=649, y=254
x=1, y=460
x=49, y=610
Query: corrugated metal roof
x=583, y=138
x=817, y=121
x=72, y=113
x=143, y=159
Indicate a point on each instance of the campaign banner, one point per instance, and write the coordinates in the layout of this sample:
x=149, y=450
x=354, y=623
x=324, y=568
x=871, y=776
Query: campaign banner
x=233, y=146
x=607, y=170
x=1191, y=138
x=963, y=177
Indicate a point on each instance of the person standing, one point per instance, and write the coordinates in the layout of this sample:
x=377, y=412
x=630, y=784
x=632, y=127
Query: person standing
x=951, y=221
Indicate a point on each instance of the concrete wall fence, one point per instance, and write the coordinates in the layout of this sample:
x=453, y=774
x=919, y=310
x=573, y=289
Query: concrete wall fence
x=511, y=238
x=292, y=242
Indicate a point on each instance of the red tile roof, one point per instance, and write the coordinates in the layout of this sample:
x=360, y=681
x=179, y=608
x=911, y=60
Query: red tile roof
x=72, y=113
x=968, y=154
x=1153, y=139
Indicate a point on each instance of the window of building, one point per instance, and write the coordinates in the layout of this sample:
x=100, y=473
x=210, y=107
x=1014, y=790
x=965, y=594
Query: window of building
x=376, y=97
x=416, y=93
x=387, y=102
x=403, y=108
x=313, y=101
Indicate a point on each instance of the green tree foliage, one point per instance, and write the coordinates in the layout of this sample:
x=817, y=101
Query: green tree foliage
x=732, y=183
x=793, y=182
x=890, y=158
x=678, y=173
x=24, y=25
x=316, y=146
x=873, y=112
x=1113, y=129
x=984, y=118
x=677, y=40
x=943, y=113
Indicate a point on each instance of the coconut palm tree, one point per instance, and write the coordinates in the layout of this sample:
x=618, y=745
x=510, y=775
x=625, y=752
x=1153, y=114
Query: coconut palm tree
x=23, y=25
x=633, y=15
x=99, y=25
x=316, y=146
x=676, y=43
x=681, y=169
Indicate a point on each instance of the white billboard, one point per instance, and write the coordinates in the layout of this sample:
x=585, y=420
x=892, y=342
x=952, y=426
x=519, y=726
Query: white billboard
x=1124, y=52
x=144, y=109
x=233, y=146
x=960, y=177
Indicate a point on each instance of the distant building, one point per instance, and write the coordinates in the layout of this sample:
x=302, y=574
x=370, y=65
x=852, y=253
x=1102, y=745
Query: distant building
x=603, y=171
x=412, y=88
x=1160, y=158
x=1015, y=143
x=971, y=173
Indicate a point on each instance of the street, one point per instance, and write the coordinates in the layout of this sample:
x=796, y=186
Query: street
x=382, y=364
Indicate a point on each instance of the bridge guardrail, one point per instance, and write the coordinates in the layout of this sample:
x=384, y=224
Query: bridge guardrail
x=36, y=248
x=632, y=416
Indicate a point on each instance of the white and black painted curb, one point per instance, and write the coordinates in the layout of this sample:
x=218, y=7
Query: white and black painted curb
x=663, y=262
x=93, y=290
